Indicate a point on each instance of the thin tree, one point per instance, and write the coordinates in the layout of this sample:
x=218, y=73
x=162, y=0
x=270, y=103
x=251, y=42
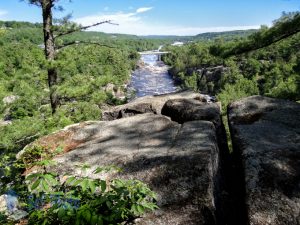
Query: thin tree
x=51, y=33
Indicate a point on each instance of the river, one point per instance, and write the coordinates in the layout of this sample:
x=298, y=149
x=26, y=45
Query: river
x=151, y=78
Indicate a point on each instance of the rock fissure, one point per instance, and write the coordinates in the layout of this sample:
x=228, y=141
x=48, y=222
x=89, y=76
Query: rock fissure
x=175, y=137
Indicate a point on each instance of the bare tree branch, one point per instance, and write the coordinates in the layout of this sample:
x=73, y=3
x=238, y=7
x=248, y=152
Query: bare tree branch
x=28, y=138
x=82, y=42
x=84, y=28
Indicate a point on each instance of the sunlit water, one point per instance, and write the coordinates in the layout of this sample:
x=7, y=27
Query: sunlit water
x=152, y=78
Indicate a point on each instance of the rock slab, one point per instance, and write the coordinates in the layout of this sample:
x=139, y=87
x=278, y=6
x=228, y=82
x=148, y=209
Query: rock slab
x=148, y=104
x=266, y=139
x=178, y=161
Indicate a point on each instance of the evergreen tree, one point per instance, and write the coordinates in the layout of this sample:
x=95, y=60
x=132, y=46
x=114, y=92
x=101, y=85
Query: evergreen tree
x=50, y=37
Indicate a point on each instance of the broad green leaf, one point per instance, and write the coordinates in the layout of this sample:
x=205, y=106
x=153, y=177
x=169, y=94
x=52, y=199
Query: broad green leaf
x=58, y=193
x=77, y=182
x=84, y=184
x=103, y=185
x=98, y=170
x=134, y=209
x=94, y=219
x=70, y=180
x=92, y=186
x=45, y=221
x=87, y=215
x=140, y=209
x=61, y=213
x=31, y=176
x=35, y=185
x=50, y=180
x=45, y=186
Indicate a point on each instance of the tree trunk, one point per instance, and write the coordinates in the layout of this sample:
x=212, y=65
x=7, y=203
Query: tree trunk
x=50, y=52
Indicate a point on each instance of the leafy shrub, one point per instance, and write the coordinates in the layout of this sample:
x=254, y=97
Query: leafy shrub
x=242, y=88
x=14, y=137
x=79, y=111
x=3, y=218
x=82, y=200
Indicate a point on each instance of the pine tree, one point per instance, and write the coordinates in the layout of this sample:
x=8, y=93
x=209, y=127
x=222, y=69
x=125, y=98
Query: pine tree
x=51, y=33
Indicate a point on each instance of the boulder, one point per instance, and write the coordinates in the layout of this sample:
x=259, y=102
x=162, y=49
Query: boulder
x=148, y=104
x=116, y=91
x=10, y=99
x=5, y=122
x=266, y=143
x=129, y=110
x=183, y=110
x=9, y=205
x=178, y=161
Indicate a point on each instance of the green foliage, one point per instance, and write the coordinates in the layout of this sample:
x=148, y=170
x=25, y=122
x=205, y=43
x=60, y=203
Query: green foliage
x=225, y=35
x=272, y=71
x=285, y=27
x=185, y=60
x=241, y=88
x=82, y=200
x=3, y=219
x=21, y=132
x=189, y=81
x=81, y=86
x=77, y=112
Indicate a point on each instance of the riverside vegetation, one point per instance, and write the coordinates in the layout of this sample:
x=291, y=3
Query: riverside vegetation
x=265, y=62
x=84, y=73
x=269, y=70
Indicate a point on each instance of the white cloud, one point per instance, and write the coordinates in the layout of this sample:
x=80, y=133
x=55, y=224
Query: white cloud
x=3, y=13
x=133, y=23
x=143, y=9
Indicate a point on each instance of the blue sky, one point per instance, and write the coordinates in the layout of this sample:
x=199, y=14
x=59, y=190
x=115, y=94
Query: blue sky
x=145, y=17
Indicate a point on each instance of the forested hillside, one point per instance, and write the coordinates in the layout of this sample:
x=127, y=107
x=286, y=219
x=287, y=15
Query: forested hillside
x=271, y=71
x=18, y=31
x=225, y=35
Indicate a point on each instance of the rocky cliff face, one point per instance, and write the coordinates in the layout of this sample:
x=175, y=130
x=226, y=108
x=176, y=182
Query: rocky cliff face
x=177, y=145
x=266, y=141
x=209, y=78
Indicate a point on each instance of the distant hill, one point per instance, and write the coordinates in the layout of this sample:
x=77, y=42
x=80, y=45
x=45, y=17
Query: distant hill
x=168, y=37
x=19, y=24
x=226, y=35
x=17, y=31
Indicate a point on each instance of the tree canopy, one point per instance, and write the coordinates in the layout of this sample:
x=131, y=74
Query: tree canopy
x=285, y=27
